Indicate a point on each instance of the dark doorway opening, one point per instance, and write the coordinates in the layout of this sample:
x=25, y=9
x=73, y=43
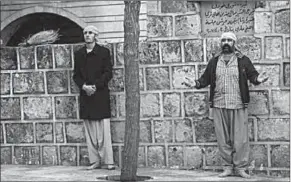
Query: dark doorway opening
x=31, y=24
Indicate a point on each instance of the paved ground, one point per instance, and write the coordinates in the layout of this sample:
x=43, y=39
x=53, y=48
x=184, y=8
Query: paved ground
x=73, y=173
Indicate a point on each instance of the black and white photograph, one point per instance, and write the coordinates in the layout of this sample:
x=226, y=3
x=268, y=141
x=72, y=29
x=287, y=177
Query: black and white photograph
x=158, y=90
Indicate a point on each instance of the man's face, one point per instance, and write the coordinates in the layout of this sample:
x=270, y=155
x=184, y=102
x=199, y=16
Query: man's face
x=227, y=45
x=89, y=36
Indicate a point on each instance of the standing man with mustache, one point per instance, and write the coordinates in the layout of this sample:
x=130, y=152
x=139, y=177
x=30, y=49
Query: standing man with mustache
x=92, y=72
x=228, y=73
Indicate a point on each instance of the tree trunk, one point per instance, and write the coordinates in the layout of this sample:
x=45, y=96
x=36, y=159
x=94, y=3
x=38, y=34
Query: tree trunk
x=132, y=102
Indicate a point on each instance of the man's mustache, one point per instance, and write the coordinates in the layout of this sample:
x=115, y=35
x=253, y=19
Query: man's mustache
x=226, y=46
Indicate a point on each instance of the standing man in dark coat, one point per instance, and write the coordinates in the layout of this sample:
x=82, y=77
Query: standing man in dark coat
x=228, y=73
x=92, y=72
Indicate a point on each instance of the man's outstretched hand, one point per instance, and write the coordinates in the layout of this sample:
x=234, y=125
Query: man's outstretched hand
x=262, y=77
x=189, y=82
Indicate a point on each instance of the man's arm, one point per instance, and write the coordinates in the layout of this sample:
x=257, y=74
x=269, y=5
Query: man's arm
x=77, y=76
x=106, y=72
x=204, y=80
x=252, y=73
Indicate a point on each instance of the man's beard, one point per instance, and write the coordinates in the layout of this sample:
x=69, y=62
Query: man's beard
x=227, y=49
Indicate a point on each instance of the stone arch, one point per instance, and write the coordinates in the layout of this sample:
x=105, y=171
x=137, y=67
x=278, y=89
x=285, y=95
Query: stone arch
x=42, y=9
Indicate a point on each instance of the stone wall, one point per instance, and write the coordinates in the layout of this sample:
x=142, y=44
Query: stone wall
x=39, y=102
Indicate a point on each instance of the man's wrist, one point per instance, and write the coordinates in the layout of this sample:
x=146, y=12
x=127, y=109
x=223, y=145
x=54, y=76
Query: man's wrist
x=83, y=87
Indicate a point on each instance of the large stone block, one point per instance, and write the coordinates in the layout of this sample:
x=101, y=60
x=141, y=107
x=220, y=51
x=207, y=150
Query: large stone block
x=150, y=105
x=250, y=46
x=28, y=83
x=259, y=155
x=286, y=73
x=27, y=155
x=175, y=156
x=171, y=51
x=119, y=54
x=8, y=58
x=63, y=56
x=174, y=6
x=37, y=108
x=66, y=107
x=157, y=78
x=68, y=155
x=193, y=51
x=273, y=47
x=84, y=156
x=44, y=57
x=193, y=6
x=57, y=82
x=273, y=130
x=281, y=102
x=212, y=156
x=163, y=131
x=258, y=103
x=113, y=106
x=282, y=22
x=263, y=22
x=49, y=155
x=26, y=57
x=196, y=104
x=212, y=47
x=44, y=133
x=288, y=47
x=159, y=26
x=121, y=105
x=145, y=131
x=5, y=83
x=194, y=157
x=141, y=80
x=183, y=130
x=179, y=75
x=116, y=156
x=149, y=53
x=187, y=25
x=73, y=86
x=75, y=132
x=156, y=156
x=10, y=108
x=280, y=156
x=1, y=134
x=117, y=82
x=117, y=131
x=59, y=132
x=141, y=162
x=6, y=155
x=152, y=7
x=273, y=71
x=172, y=104
x=204, y=130
x=19, y=133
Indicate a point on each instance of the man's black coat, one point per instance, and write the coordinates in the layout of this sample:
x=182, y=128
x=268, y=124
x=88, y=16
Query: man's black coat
x=94, y=68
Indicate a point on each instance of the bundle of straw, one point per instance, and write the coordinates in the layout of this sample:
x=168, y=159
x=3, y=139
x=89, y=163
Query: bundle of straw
x=43, y=37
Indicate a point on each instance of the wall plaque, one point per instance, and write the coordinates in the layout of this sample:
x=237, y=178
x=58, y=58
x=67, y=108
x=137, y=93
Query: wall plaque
x=224, y=16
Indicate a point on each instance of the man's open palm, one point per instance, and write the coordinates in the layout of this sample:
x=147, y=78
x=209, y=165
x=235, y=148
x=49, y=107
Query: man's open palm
x=263, y=77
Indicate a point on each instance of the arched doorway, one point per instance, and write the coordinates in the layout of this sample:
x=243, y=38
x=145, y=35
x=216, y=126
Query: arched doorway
x=29, y=21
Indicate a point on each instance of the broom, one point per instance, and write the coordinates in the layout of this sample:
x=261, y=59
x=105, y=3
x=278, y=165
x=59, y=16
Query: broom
x=43, y=37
